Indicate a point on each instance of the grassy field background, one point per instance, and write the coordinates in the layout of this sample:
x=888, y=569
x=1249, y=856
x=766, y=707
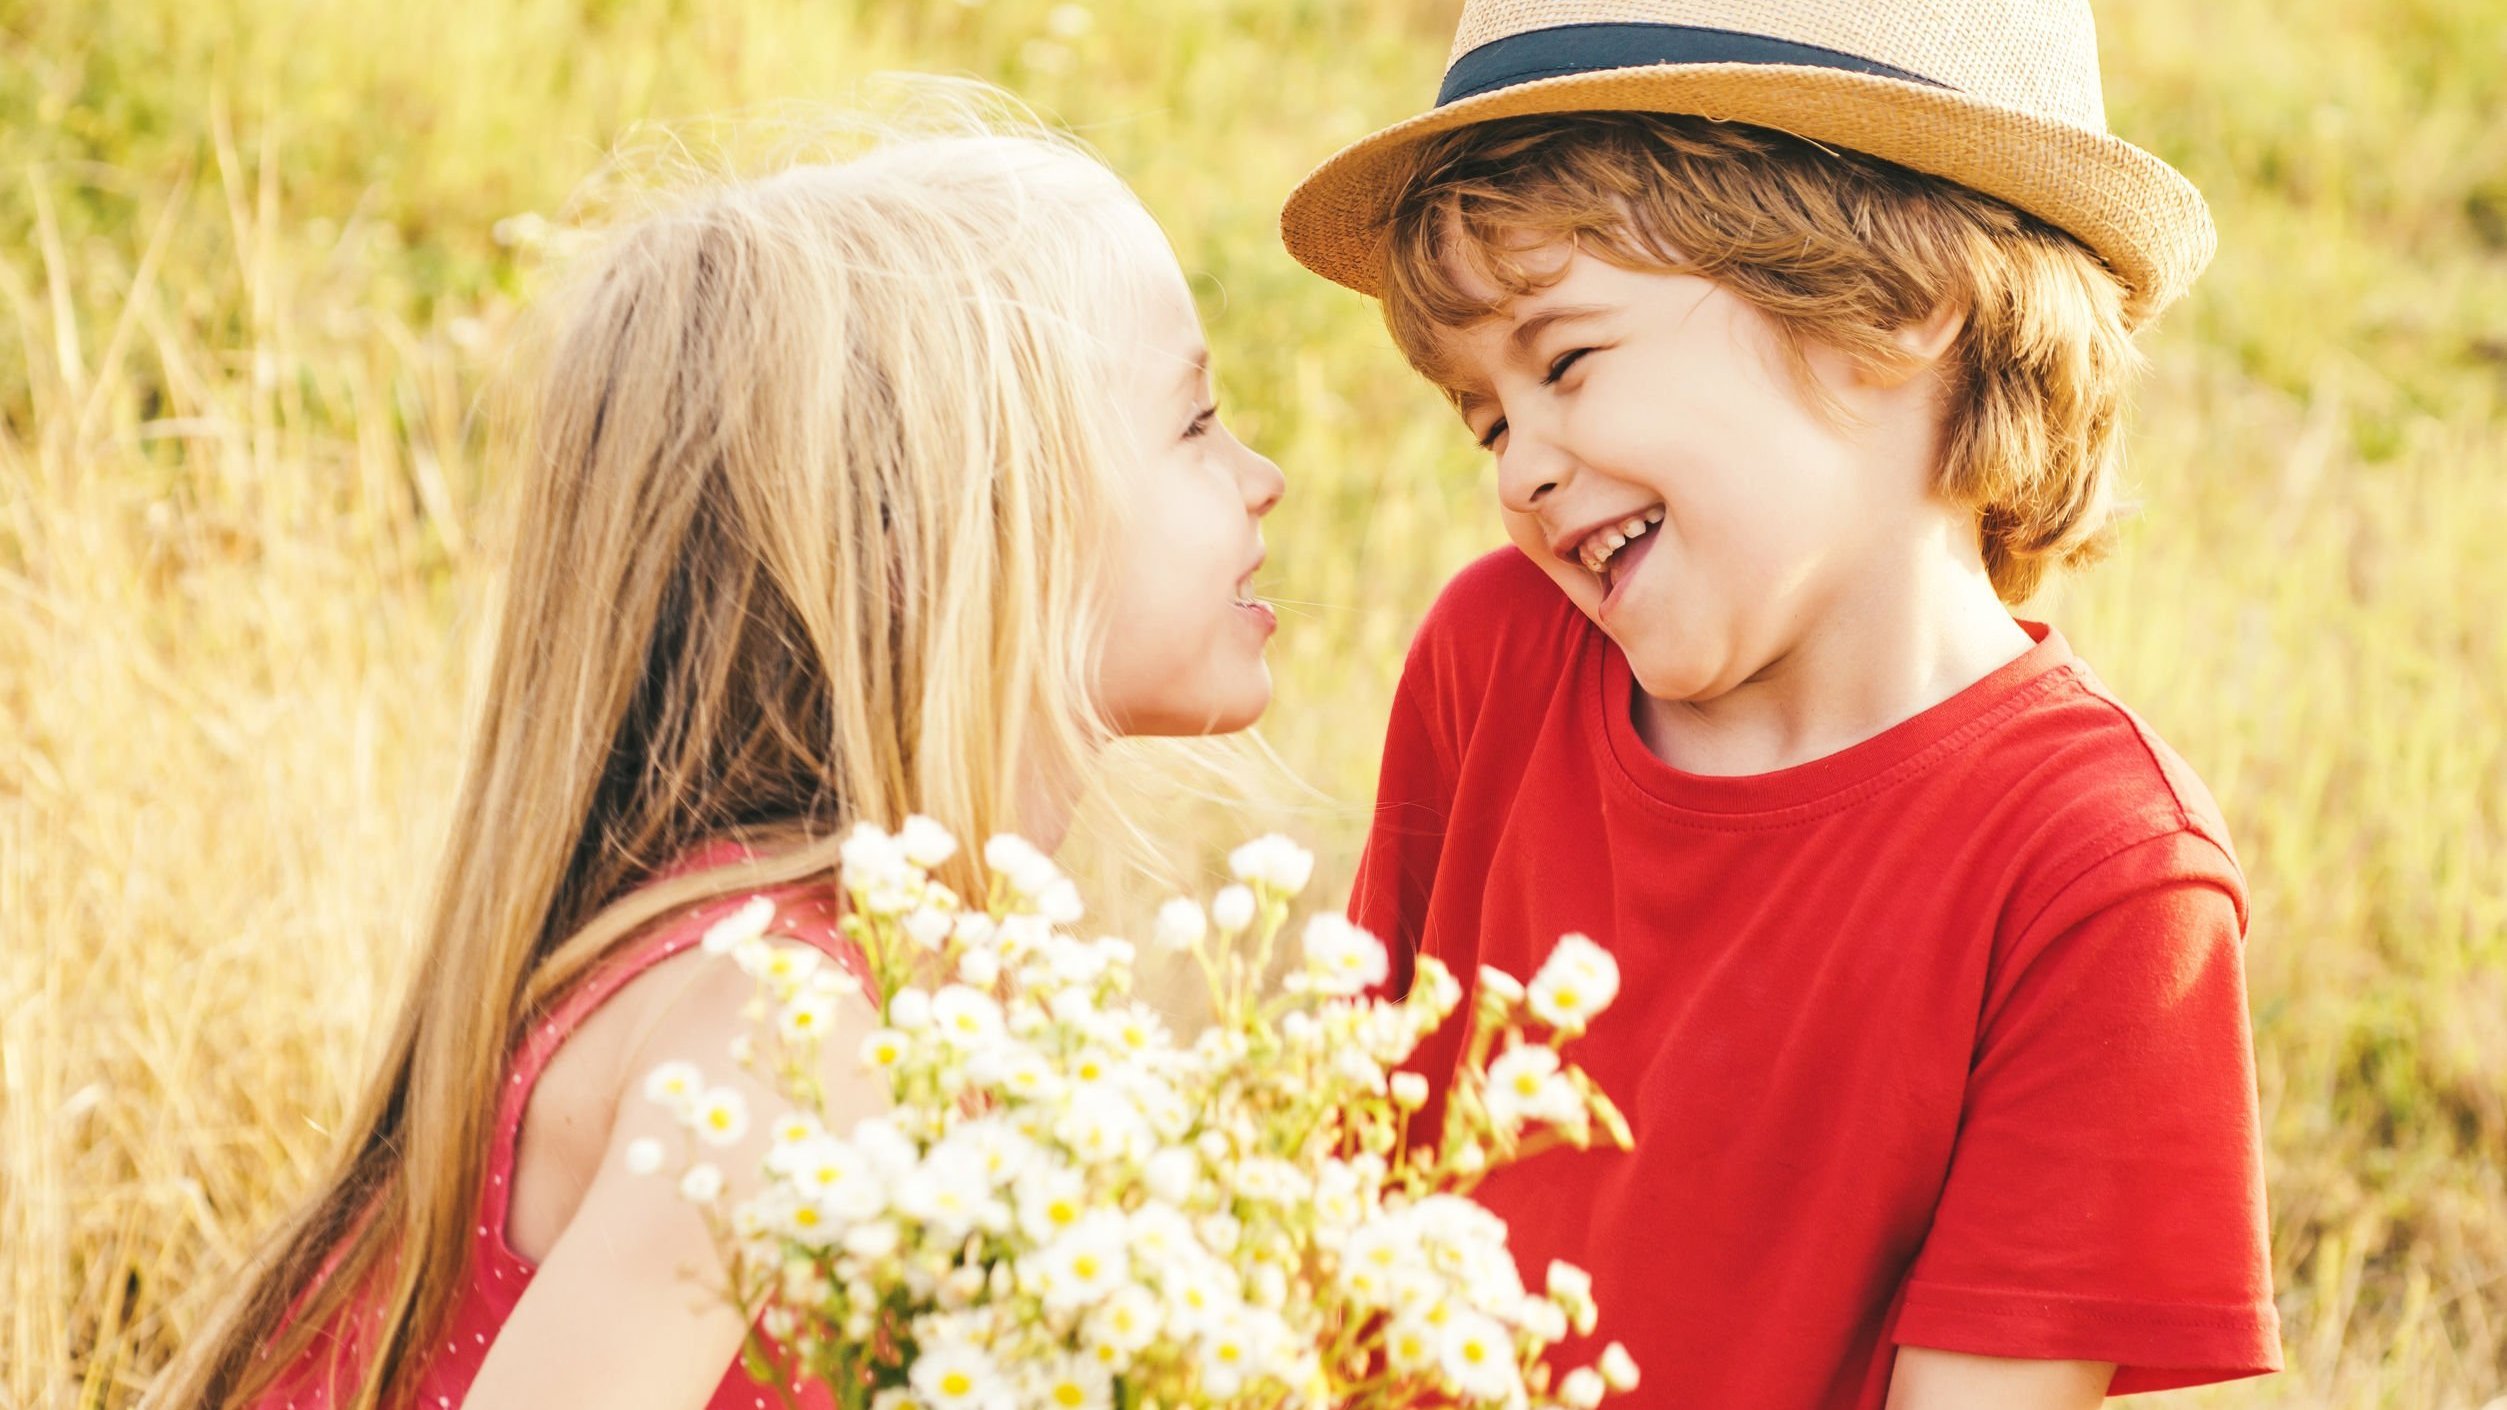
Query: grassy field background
x=257, y=261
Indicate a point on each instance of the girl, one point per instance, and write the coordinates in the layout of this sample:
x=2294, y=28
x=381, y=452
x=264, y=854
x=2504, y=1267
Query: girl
x=871, y=488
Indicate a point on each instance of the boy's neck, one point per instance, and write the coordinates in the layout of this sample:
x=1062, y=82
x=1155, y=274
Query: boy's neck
x=1896, y=645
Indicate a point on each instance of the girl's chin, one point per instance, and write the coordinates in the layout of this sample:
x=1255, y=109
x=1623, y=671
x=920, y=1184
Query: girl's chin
x=1225, y=711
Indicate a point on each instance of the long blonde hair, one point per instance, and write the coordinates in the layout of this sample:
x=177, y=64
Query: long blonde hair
x=807, y=520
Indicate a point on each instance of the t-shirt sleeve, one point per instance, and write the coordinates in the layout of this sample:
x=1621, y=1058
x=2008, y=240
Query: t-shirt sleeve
x=2105, y=1197
x=1414, y=790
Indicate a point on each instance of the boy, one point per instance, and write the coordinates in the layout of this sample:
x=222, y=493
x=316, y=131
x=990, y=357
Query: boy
x=1800, y=333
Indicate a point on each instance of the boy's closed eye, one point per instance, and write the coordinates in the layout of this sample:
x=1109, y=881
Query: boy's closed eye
x=1558, y=368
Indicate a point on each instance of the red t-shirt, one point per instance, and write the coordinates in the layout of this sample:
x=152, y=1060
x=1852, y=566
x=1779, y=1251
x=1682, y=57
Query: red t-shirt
x=1939, y=1040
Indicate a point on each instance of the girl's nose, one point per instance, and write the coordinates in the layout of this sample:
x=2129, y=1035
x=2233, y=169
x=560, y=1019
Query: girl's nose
x=1263, y=482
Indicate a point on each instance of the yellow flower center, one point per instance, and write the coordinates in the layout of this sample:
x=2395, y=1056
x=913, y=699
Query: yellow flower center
x=956, y=1383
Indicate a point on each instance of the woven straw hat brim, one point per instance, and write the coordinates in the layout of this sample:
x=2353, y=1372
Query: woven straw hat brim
x=2135, y=211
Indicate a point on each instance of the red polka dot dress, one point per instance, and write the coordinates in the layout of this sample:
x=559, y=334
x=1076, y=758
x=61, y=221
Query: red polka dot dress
x=498, y=1275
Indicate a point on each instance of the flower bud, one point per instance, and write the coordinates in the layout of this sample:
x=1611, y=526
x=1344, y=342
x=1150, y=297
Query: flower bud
x=1499, y=986
x=1232, y=909
x=1619, y=1369
x=1181, y=924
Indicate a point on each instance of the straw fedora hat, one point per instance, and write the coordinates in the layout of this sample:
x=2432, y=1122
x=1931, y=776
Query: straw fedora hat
x=1998, y=95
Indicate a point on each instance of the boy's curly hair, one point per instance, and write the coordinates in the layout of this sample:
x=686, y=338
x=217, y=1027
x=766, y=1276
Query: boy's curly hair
x=1835, y=248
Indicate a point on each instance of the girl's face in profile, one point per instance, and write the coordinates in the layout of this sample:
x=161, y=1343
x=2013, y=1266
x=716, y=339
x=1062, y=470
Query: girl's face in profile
x=1184, y=654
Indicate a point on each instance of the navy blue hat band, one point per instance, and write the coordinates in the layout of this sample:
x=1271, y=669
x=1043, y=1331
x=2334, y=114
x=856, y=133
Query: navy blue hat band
x=1593, y=48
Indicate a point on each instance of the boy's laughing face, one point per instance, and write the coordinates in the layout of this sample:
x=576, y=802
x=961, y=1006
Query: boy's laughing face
x=1660, y=458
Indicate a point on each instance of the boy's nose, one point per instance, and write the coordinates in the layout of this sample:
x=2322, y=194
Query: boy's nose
x=1527, y=472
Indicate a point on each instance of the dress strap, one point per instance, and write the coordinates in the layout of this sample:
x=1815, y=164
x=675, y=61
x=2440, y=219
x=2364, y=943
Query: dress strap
x=805, y=912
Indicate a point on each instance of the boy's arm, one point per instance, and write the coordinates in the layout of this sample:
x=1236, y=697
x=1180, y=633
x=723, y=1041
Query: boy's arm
x=1925, y=1379
x=2105, y=1197
x=1396, y=873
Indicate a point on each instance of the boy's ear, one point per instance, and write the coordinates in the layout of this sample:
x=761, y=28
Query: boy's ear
x=1924, y=342
x=1929, y=337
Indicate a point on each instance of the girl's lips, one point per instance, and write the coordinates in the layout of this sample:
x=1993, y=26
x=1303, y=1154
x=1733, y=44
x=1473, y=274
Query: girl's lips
x=1262, y=614
x=1623, y=566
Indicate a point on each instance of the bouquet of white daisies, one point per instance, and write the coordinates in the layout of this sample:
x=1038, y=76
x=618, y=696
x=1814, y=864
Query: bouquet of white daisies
x=1067, y=1206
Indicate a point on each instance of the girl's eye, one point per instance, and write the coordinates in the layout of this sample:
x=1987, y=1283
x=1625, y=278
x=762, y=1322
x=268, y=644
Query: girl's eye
x=1559, y=368
x=1208, y=417
x=1496, y=429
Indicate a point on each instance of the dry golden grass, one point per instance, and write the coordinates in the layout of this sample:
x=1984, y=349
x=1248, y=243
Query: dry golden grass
x=247, y=255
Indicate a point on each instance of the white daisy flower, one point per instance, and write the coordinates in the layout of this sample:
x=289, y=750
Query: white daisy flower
x=1085, y=1265
x=1073, y=1383
x=806, y=1018
x=1172, y=1174
x=1232, y=909
x=924, y=842
x=1059, y=902
x=929, y=928
x=1618, y=1368
x=872, y=860
x=1100, y=1125
x=837, y=1175
x=966, y=1018
x=675, y=1085
x=1496, y=984
x=873, y=1239
x=644, y=1155
x=1051, y=1201
x=952, y=1374
x=910, y=1009
x=1029, y=872
x=1478, y=1358
x=747, y=923
x=703, y=1184
x=1181, y=925
x=1435, y=985
x=979, y=969
x=1342, y=959
x=720, y=1116
x=1411, y=1344
x=1582, y=1389
x=1122, y=1326
x=1525, y=1084
x=1577, y=982
x=883, y=1049
x=1273, y=861
x=949, y=1193
x=787, y=965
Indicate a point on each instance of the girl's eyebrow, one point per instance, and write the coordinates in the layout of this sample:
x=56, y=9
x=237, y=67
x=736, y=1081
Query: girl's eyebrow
x=1196, y=372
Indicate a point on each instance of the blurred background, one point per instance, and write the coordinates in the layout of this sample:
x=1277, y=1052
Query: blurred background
x=259, y=260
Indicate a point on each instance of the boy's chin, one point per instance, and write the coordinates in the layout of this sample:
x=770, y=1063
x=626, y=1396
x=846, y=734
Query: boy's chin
x=1665, y=672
